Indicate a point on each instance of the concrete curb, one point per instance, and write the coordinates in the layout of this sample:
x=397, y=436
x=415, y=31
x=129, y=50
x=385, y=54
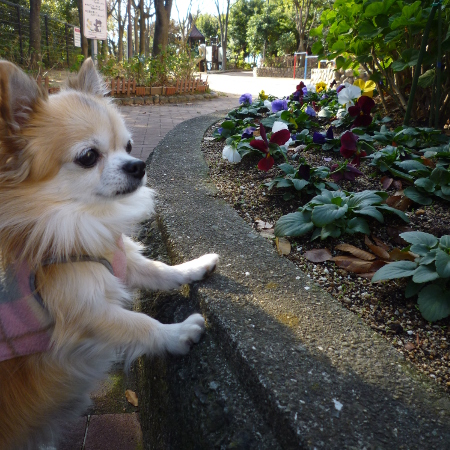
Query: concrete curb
x=317, y=375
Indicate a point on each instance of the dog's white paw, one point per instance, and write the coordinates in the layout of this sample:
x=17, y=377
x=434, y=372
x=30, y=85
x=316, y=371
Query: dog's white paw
x=181, y=336
x=200, y=268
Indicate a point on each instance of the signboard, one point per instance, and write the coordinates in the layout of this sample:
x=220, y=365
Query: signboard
x=76, y=37
x=94, y=18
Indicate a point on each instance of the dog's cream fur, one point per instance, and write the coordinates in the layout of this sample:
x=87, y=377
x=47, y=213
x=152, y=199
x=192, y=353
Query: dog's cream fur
x=53, y=207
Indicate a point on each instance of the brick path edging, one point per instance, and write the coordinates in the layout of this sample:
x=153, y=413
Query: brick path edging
x=163, y=99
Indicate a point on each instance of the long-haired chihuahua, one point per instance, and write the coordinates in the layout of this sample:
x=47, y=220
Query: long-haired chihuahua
x=70, y=192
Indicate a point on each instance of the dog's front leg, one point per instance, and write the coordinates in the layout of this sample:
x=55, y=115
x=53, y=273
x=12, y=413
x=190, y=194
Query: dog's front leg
x=155, y=275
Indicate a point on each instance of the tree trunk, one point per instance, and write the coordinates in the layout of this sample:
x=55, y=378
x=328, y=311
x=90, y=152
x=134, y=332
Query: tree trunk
x=35, y=33
x=223, y=25
x=84, y=41
x=136, y=31
x=162, y=21
x=301, y=18
x=141, y=28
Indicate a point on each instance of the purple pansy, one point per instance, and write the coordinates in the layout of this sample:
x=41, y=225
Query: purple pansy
x=248, y=132
x=348, y=172
x=219, y=130
x=319, y=138
x=310, y=111
x=279, y=105
x=245, y=99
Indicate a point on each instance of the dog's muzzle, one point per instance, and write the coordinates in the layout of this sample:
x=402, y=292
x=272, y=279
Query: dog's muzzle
x=135, y=169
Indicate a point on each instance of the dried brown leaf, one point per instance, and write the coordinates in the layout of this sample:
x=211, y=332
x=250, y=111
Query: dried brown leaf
x=131, y=397
x=409, y=346
x=380, y=252
x=351, y=264
x=283, y=246
x=386, y=182
x=399, y=201
x=397, y=255
x=318, y=255
x=398, y=184
x=381, y=244
x=355, y=251
x=428, y=162
x=378, y=264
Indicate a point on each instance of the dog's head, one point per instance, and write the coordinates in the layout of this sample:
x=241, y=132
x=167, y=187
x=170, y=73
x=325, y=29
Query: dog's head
x=64, y=158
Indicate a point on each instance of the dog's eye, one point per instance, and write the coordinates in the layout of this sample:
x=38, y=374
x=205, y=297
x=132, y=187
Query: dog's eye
x=88, y=158
x=128, y=147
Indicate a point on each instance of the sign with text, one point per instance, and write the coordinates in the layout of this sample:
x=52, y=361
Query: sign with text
x=76, y=37
x=94, y=18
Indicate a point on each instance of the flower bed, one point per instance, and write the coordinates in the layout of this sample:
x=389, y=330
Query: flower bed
x=348, y=194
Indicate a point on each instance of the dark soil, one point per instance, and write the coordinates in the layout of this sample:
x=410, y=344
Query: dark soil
x=382, y=305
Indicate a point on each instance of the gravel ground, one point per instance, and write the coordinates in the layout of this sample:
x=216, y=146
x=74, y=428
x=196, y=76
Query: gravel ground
x=382, y=305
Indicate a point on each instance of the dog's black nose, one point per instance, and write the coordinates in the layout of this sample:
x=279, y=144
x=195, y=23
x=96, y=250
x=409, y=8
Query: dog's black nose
x=135, y=168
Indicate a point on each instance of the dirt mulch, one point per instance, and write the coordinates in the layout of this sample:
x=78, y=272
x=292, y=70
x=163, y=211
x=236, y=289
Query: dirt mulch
x=382, y=305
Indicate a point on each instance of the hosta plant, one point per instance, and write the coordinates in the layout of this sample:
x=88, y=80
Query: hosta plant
x=429, y=273
x=303, y=179
x=333, y=213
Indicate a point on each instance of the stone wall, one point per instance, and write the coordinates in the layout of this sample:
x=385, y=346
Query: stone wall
x=283, y=72
x=341, y=76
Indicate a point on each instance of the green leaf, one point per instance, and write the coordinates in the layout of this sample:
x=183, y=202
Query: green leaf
x=317, y=31
x=287, y=168
x=299, y=184
x=427, y=79
x=330, y=230
x=228, y=125
x=398, y=66
x=340, y=61
x=371, y=211
x=325, y=214
x=409, y=11
x=428, y=256
x=325, y=112
x=357, y=225
x=294, y=224
x=434, y=302
x=416, y=196
x=423, y=274
x=393, y=35
x=286, y=182
x=412, y=289
x=368, y=30
x=419, y=237
x=444, y=241
x=442, y=264
x=374, y=9
x=440, y=176
x=317, y=48
x=425, y=183
x=395, y=211
x=397, y=269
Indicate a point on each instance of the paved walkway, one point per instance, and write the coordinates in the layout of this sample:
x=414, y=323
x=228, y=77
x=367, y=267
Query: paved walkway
x=150, y=123
x=242, y=82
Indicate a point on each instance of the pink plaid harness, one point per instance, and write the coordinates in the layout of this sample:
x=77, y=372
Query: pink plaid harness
x=25, y=324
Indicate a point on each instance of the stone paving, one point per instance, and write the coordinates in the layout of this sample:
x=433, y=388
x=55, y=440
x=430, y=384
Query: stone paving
x=150, y=123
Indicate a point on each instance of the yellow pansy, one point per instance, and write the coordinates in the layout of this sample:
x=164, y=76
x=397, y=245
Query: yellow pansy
x=263, y=96
x=321, y=86
x=367, y=87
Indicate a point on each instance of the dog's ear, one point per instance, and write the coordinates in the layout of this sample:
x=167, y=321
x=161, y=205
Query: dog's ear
x=18, y=96
x=89, y=80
